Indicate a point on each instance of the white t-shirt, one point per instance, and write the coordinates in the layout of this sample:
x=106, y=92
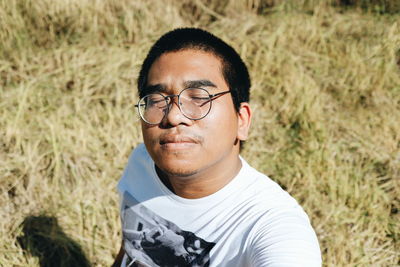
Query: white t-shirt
x=249, y=222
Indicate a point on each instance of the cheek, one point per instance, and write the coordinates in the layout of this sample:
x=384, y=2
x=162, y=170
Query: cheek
x=150, y=136
x=220, y=128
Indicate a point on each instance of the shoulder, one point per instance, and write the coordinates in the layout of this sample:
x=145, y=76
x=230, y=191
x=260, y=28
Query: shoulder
x=264, y=191
x=139, y=167
x=282, y=234
x=284, y=237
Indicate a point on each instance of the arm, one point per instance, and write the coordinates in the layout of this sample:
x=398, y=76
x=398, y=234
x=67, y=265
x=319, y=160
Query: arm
x=118, y=259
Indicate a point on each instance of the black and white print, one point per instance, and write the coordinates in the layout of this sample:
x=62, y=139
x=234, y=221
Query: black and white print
x=150, y=240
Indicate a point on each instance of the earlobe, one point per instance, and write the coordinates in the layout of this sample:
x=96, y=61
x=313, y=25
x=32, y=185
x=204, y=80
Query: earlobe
x=244, y=121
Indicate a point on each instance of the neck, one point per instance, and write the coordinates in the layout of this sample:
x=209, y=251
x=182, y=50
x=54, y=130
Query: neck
x=203, y=183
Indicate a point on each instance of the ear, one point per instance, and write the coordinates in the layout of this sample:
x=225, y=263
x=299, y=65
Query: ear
x=244, y=121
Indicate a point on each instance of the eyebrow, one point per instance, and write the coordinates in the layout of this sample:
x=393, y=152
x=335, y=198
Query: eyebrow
x=199, y=83
x=149, y=89
x=162, y=88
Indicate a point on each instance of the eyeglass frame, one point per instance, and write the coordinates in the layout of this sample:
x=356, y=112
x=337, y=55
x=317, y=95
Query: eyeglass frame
x=211, y=96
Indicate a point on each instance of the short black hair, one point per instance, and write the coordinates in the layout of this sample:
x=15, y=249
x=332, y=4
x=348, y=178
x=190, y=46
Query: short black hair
x=234, y=69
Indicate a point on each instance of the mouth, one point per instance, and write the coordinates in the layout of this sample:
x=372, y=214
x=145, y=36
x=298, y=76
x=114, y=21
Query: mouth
x=174, y=142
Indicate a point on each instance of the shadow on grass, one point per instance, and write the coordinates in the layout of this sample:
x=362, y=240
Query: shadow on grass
x=43, y=237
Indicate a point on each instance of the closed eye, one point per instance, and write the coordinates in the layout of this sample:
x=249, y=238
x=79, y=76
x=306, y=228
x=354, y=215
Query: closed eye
x=199, y=98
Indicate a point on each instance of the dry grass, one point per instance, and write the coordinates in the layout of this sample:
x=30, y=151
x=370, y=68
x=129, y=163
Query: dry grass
x=326, y=98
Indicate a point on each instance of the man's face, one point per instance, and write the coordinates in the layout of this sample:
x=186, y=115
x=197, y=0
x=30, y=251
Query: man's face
x=183, y=147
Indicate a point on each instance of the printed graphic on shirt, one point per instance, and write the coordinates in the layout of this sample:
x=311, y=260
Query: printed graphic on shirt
x=150, y=240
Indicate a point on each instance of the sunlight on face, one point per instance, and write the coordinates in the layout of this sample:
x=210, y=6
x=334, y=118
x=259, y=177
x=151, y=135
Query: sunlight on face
x=180, y=146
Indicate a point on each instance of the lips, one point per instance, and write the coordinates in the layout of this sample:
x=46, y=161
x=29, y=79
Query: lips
x=176, y=139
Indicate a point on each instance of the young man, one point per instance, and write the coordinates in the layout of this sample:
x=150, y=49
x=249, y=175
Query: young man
x=188, y=198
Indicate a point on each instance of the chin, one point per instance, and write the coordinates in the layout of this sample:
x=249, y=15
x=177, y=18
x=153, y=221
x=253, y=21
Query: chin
x=178, y=172
x=177, y=167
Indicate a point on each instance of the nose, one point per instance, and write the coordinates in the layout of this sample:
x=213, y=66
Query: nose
x=174, y=116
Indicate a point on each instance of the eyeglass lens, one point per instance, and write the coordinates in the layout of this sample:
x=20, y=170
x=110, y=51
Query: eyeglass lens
x=194, y=104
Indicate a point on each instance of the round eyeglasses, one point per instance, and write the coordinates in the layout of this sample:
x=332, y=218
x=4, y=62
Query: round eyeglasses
x=194, y=103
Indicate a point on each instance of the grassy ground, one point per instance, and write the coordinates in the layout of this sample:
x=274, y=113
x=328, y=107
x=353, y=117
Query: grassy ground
x=325, y=94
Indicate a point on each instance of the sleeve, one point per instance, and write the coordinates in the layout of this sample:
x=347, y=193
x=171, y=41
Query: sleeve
x=284, y=237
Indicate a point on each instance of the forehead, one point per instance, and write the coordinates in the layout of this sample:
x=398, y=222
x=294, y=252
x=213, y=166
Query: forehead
x=175, y=68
